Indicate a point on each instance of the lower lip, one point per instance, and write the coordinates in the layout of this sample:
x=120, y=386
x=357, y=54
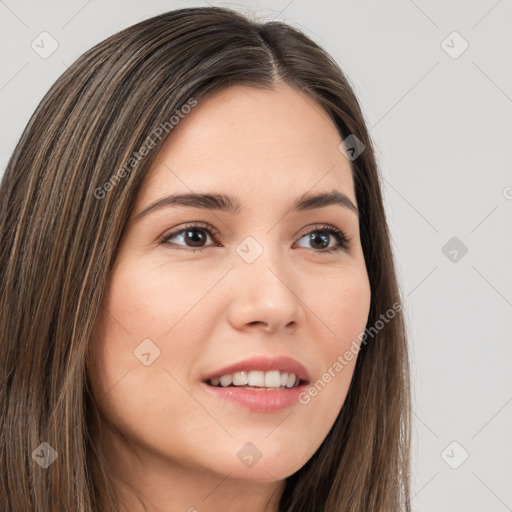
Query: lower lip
x=259, y=400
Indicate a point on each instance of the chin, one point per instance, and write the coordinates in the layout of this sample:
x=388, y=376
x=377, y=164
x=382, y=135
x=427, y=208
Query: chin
x=265, y=460
x=267, y=471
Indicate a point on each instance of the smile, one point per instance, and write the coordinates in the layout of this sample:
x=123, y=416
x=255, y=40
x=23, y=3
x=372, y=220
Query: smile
x=257, y=380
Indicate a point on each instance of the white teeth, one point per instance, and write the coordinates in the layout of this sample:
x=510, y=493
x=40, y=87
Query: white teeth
x=256, y=378
x=240, y=379
x=272, y=379
x=226, y=380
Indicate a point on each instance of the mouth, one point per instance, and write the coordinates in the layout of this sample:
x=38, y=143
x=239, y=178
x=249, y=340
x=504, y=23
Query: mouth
x=260, y=384
x=257, y=380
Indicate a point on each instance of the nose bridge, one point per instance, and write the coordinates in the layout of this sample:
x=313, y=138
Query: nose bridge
x=264, y=290
x=259, y=260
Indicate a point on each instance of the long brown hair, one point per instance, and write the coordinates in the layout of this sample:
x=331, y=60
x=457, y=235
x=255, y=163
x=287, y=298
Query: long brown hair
x=64, y=200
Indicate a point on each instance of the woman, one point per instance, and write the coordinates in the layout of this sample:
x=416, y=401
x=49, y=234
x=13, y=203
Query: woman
x=199, y=308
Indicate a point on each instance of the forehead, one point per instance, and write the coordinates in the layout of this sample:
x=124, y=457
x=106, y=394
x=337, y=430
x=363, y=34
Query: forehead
x=256, y=144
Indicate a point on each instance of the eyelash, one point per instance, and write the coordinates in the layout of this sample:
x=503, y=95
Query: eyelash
x=343, y=240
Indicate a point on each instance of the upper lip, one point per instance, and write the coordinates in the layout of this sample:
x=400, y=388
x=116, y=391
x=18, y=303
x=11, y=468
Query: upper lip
x=265, y=364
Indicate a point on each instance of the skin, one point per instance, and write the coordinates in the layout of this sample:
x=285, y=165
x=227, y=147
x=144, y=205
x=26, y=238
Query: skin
x=164, y=435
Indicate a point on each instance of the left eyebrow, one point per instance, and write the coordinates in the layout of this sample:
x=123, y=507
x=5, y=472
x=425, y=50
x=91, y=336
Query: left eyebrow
x=312, y=201
x=223, y=202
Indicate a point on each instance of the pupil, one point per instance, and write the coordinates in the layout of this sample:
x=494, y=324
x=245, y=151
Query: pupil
x=313, y=238
x=194, y=239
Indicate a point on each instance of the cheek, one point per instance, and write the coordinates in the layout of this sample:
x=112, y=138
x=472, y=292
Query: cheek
x=344, y=307
x=159, y=302
x=142, y=400
x=150, y=309
x=344, y=310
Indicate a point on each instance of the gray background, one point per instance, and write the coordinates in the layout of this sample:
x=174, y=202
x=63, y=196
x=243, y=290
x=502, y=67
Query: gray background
x=442, y=127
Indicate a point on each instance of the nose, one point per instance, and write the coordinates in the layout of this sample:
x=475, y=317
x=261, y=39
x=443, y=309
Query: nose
x=263, y=295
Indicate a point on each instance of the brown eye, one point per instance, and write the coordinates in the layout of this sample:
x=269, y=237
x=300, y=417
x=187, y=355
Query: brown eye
x=189, y=238
x=320, y=238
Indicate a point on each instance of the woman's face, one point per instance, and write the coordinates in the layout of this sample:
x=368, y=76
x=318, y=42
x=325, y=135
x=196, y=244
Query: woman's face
x=259, y=294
